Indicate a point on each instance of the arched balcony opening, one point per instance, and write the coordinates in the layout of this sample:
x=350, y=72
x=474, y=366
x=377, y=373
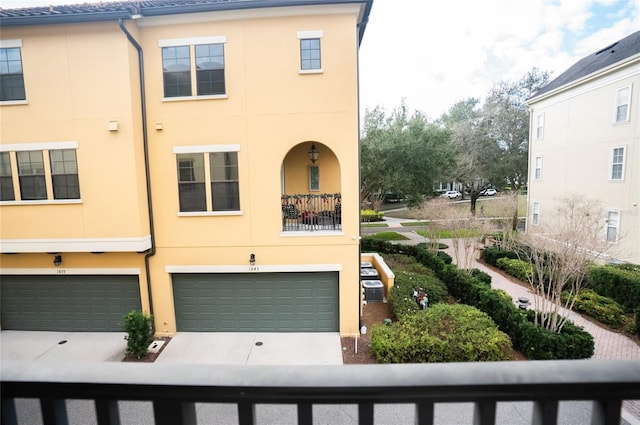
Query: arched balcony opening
x=311, y=182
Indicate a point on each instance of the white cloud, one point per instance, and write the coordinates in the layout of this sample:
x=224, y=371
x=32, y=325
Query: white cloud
x=434, y=55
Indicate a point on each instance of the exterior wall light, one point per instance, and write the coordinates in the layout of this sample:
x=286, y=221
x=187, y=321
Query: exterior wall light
x=252, y=259
x=57, y=260
x=313, y=153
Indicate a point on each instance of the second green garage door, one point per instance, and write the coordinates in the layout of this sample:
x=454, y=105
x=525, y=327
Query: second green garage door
x=256, y=302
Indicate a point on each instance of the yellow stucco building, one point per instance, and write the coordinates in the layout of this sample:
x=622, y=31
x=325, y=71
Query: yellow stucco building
x=197, y=160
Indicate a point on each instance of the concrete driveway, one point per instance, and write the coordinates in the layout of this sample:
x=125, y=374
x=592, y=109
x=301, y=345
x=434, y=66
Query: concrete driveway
x=185, y=347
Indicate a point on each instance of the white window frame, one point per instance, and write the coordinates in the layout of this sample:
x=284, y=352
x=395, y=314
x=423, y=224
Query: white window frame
x=535, y=213
x=611, y=163
x=206, y=149
x=43, y=147
x=618, y=104
x=537, y=168
x=9, y=44
x=191, y=42
x=540, y=127
x=303, y=35
x=616, y=225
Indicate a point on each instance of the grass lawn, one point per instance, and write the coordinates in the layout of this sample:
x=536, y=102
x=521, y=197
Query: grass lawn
x=389, y=236
x=491, y=207
x=446, y=234
x=374, y=225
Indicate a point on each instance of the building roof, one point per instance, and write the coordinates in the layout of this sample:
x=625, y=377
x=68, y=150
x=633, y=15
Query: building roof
x=107, y=11
x=612, y=54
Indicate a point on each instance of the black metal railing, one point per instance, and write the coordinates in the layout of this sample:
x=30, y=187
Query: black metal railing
x=177, y=392
x=311, y=212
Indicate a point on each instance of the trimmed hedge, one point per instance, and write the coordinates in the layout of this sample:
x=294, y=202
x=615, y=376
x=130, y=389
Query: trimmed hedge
x=491, y=254
x=603, y=309
x=369, y=216
x=442, y=333
x=619, y=282
x=517, y=268
x=536, y=344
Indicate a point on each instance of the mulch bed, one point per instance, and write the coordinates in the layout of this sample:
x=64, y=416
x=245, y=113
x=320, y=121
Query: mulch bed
x=149, y=357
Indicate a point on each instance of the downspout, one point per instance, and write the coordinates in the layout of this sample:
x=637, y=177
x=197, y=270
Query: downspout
x=145, y=142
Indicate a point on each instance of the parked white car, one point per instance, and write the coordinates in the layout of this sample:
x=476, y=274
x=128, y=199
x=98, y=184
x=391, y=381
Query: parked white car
x=488, y=192
x=452, y=194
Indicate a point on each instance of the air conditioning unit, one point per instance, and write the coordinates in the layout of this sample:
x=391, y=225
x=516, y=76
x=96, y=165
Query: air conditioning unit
x=373, y=291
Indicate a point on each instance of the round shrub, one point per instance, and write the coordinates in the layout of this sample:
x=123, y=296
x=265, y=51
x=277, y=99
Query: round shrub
x=481, y=276
x=442, y=333
x=603, y=309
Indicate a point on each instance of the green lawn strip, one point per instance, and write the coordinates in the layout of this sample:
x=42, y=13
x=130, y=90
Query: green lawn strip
x=414, y=223
x=389, y=236
x=447, y=234
x=374, y=224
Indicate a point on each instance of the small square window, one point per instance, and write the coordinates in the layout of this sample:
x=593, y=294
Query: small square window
x=11, y=76
x=310, y=54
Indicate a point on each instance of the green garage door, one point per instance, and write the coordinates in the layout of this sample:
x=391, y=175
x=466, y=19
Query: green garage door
x=67, y=303
x=256, y=302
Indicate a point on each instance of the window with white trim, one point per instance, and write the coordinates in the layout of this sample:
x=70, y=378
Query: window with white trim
x=193, y=65
x=217, y=165
x=11, y=75
x=537, y=170
x=540, y=127
x=623, y=104
x=310, y=55
x=535, y=214
x=612, y=228
x=617, y=163
x=47, y=174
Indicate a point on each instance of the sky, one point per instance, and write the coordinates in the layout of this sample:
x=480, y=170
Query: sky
x=434, y=54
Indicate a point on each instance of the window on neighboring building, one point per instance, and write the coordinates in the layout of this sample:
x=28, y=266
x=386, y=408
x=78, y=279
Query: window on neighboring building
x=44, y=172
x=11, y=78
x=617, y=163
x=210, y=69
x=538, y=168
x=224, y=181
x=191, y=187
x=216, y=164
x=535, y=216
x=612, y=226
x=206, y=69
x=64, y=174
x=31, y=175
x=6, y=178
x=310, y=57
x=310, y=54
x=623, y=100
x=540, y=127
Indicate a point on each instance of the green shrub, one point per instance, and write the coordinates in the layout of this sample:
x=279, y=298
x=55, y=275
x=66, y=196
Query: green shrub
x=139, y=329
x=491, y=255
x=517, y=268
x=619, y=282
x=537, y=343
x=444, y=257
x=637, y=321
x=401, y=296
x=603, y=309
x=442, y=333
x=481, y=276
x=368, y=216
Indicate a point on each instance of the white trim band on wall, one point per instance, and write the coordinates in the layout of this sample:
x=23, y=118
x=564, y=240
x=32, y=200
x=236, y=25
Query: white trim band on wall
x=206, y=148
x=70, y=271
x=38, y=146
x=16, y=246
x=172, y=42
x=269, y=268
x=7, y=44
x=310, y=34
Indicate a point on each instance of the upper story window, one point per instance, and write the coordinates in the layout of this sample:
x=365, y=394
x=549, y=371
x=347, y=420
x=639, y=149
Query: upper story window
x=540, y=127
x=216, y=164
x=199, y=60
x=617, y=163
x=310, y=51
x=537, y=171
x=623, y=104
x=44, y=172
x=11, y=77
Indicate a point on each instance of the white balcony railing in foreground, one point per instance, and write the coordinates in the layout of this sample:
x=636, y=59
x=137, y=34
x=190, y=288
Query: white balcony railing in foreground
x=174, y=390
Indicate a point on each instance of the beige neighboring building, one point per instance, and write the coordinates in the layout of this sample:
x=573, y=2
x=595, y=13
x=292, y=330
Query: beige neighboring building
x=197, y=159
x=585, y=139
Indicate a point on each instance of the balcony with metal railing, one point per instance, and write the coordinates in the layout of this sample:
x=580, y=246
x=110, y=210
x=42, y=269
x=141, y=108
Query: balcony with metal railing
x=311, y=212
x=549, y=392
